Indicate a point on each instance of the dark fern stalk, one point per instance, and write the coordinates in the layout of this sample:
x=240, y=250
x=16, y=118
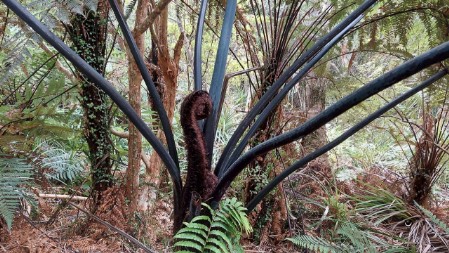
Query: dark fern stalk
x=197, y=73
x=216, y=87
x=302, y=162
x=148, y=81
x=283, y=92
x=283, y=78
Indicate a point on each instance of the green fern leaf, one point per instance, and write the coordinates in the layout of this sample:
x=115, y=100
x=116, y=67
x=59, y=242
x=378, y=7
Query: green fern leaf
x=433, y=218
x=14, y=172
x=315, y=243
x=219, y=243
x=189, y=244
x=223, y=234
x=189, y=230
x=213, y=248
x=191, y=237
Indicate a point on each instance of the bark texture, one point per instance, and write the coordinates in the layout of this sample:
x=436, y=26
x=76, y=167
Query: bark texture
x=135, y=138
x=88, y=34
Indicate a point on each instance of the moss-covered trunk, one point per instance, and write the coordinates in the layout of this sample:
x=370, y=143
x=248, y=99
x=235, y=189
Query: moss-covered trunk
x=88, y=34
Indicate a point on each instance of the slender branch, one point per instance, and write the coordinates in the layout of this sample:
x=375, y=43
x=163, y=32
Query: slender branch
x=145, y=159
x=58, y=65
x=161, y=5
x=124, y=135
x=61, y=196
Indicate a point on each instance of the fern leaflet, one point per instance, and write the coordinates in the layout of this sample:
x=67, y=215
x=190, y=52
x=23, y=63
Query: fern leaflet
x=222, y=234
x=14, y=172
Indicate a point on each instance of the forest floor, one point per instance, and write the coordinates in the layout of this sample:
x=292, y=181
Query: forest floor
x=64, y=226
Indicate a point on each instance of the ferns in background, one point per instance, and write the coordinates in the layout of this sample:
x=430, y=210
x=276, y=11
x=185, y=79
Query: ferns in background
x=14, y=172
x=222, y=234
x=352, y=239
x=65, y=165
x=315, y=243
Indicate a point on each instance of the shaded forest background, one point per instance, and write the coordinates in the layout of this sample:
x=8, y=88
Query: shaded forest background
x=76, y=176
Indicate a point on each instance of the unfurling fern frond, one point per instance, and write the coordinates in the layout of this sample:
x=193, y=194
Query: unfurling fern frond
x=220, y=235
x=14, y=172
x=434, y=218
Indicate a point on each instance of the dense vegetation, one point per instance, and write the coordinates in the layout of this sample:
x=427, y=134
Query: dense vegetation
x=270, y=126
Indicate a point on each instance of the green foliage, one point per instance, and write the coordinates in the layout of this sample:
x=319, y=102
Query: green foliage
x=14, y=172
x=381, y=205
x=315, y=243
x=65, y=165
x=433, y=218
x=222, y=234
x=350, y=238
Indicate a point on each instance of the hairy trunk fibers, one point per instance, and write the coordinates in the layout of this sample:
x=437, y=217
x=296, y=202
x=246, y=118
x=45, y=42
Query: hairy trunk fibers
x=269, y=219
x=88, y=33
x=318, y=172
x=424, y=165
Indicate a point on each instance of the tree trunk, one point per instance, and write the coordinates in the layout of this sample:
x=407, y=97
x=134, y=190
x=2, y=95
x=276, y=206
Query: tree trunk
x=135, y=138
x=164, y=71
x=88, y=33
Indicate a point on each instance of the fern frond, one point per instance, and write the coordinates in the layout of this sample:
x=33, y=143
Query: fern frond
x=315, y=243
x=65, y=165
x=221, y=235
x=434, y=218
x=130, y=8
x=14, y=172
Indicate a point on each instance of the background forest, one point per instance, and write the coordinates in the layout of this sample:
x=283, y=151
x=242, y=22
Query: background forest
x=79, y=174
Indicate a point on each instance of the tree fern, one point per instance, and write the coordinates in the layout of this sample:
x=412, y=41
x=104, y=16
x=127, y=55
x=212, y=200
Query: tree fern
x=14, y=172
x=222, y=232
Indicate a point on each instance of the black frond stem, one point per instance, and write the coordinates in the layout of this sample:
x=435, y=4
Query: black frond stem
x=197, y=72
x=216, y=85
x=271, y=92
x=399, y=73
x=148, y=81
x=103, y=84
x=281, y=95
x=353, y=130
